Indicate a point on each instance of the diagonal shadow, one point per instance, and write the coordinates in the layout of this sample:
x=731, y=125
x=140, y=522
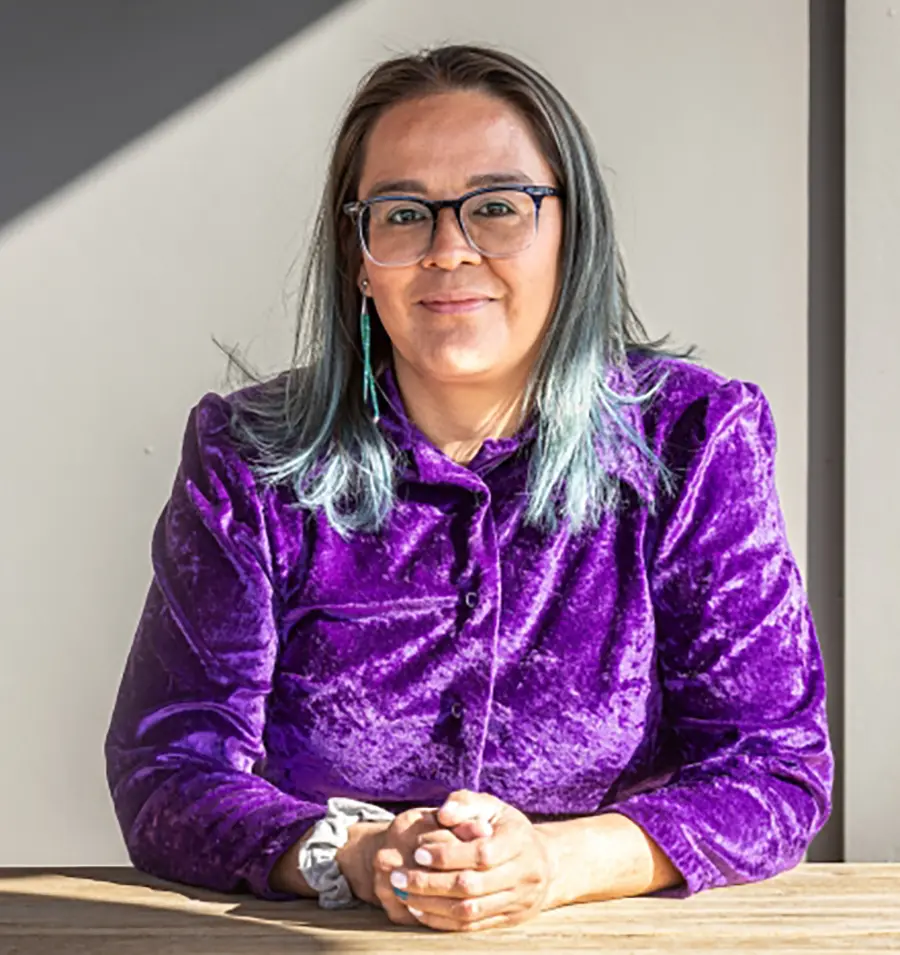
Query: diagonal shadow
x=80, y=80
x=34, y=923
x=31, y=925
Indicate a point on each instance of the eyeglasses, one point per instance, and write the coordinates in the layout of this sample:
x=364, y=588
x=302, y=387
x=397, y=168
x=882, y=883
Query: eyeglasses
x=496, y=221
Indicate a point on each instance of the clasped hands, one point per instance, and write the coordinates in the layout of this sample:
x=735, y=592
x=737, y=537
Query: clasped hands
x=472, y=864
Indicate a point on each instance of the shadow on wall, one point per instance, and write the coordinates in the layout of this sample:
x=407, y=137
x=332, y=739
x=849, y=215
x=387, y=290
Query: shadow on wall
x=79, y=81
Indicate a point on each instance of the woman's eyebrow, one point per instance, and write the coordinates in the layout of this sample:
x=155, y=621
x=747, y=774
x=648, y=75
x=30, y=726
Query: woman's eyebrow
x=390, y=186
x=500, y=179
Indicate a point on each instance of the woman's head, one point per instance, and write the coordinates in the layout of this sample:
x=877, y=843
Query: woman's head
x=443, y=120
x=556, y=317
x=457, y=310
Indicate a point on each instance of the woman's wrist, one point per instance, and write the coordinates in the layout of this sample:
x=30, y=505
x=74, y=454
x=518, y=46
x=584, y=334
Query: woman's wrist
x=355, y=858
x=598, y=858
x=560, y=891
x=286, y=876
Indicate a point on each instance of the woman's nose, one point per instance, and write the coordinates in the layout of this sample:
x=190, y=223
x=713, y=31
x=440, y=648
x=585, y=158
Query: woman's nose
x=450, y=247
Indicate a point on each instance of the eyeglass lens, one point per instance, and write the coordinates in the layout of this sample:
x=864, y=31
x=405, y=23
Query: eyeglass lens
x=399, y=231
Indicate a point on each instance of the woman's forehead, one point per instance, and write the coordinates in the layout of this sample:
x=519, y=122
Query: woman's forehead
x=451, y=140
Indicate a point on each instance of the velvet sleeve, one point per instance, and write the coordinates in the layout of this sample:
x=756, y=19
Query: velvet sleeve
x=187, y=731
x=748, y=769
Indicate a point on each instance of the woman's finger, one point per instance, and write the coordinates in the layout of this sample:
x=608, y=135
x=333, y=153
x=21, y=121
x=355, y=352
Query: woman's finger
x=483, y=853
x=465, y=831
x=463, y=805
x=447, y=925
x=400, y=841
x=465, y=884
x=387, y=859
x=460, y=915
x=472, y=829
x=394, y=905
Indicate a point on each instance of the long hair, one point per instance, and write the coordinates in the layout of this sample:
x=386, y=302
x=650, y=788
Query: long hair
x=310, y=426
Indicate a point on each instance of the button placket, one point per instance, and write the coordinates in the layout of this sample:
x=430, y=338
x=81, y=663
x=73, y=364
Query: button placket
x=481, y=590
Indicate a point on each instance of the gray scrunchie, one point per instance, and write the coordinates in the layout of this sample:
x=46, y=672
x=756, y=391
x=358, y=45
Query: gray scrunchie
x=317, y=854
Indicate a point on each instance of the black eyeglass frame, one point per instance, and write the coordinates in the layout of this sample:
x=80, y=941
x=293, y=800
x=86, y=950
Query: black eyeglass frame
x=358, y=208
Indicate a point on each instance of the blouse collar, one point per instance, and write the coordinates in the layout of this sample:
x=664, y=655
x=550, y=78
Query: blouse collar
x=628, y=463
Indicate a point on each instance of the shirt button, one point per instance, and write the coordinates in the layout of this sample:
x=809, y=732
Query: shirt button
x=471, y=599
x=456, y=710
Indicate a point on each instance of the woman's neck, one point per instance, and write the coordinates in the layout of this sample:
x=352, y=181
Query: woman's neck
x=457, y=418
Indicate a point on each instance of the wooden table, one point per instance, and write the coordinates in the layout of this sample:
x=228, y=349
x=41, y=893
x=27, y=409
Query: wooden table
x=815, y=908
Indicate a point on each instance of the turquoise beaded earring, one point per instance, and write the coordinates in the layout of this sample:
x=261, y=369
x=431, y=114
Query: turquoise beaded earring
x=365, y=331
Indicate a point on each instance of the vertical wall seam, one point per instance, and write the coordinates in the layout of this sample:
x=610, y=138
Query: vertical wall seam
x=826, y=324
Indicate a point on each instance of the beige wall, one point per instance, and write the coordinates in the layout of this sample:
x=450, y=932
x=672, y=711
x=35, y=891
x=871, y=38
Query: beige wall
x=111, y=289
x=872, y=448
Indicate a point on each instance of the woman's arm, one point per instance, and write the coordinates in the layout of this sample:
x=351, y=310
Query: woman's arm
x=744, y=771
x=598, y=858
x=187, y=729
x=747, y=765
x=744, y=774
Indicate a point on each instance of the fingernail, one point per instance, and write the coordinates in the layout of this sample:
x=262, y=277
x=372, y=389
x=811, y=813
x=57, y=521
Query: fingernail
x=415, y=912
x=399, y=880
x=401, y=895
x=451, y=806
x=423, y=857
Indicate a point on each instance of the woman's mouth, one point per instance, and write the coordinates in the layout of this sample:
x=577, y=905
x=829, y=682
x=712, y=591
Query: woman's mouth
x=454, y=306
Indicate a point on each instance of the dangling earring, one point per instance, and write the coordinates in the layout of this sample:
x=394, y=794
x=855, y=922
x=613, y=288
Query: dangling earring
x=365, y=331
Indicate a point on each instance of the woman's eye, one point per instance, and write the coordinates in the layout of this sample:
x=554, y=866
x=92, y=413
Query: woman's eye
x=494, y=209
x=405, y=216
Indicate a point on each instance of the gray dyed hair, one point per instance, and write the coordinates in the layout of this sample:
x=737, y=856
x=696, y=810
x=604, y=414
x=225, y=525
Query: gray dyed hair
x=310, y=426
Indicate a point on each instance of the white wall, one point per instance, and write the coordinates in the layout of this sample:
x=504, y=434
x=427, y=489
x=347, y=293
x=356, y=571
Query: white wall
x=110, y=290
x=872, y=448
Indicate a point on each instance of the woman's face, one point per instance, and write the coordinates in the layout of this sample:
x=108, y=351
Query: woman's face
x=440, y=147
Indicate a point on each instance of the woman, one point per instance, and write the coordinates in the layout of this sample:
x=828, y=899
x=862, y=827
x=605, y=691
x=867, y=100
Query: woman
x=485, y=606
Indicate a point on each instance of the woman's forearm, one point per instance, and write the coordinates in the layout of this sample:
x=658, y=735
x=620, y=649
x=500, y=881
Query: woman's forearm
x=354, y=859
x=286, y=876
x=597, y=858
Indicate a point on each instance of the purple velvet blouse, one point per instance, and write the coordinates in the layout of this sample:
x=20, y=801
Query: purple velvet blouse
x=662, y=666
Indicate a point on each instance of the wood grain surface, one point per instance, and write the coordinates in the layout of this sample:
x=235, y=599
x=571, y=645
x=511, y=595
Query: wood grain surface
x=814, y=908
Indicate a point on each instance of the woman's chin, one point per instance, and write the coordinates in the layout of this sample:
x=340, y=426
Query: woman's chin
x=461, y=369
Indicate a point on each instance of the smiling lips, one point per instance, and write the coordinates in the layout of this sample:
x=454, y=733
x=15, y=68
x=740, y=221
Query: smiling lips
x=454, y=304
